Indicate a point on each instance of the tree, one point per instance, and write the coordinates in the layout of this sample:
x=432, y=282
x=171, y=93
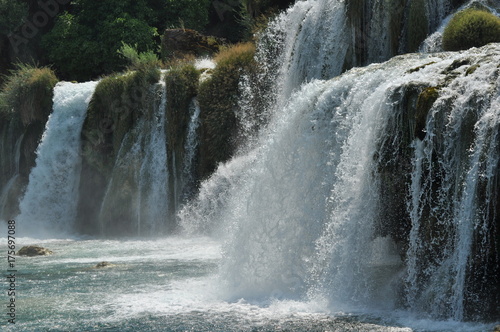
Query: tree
x=83, y=43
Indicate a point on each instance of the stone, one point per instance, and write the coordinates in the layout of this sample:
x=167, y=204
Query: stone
x=31, y=251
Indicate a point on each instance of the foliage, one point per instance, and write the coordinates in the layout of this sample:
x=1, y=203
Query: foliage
x=218, y=97
x=83, y=43
x=471, y=28
x=28, y=91
x=115, y=106
x=424, y=104
x=189, y=14
x=182, y=85
x=12, y=14
x=139, y=60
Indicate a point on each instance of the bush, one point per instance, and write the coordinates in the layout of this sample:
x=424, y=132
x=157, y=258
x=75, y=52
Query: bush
x=218, y=97
x=83, y=44
x=12, y=14
x=28, y=91
x=471, y=28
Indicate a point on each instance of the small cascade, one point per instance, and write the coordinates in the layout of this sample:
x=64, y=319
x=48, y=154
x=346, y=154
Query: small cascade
x=49, y=204
x=454, y=197
x=153, y=175
x=137, y=196
x=190, y=150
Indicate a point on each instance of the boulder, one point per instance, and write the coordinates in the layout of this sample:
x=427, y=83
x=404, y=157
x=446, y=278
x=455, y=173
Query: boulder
x=34, y=251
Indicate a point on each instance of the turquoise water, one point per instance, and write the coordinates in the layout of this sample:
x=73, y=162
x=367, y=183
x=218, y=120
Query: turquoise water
x=163, y=285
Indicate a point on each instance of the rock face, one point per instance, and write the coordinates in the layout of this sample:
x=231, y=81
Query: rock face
x=31, y=251
x=182, y=42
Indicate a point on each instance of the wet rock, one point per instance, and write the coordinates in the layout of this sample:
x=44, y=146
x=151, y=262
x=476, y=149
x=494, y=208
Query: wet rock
x=104, y=265
x=31, y=251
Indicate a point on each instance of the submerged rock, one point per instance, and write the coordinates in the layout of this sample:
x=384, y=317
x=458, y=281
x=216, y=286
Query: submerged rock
x=103, y=265
x=34, y=251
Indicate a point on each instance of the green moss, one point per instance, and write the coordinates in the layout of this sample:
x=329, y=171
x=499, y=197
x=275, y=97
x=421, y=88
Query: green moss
x=218, y=97
x=424, y=103
x=28, y=92
x=472, y=69
x=471, y=28
x=420, y=67
x=182, y=85
x=115, y=106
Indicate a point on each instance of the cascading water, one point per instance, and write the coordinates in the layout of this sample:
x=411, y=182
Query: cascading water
x=303, y=209
x=153, y=175
x=140, y=176
x=190, y=150
x=49, y=204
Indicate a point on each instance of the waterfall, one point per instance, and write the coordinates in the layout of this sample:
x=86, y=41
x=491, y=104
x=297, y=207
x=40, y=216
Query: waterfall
x=312, y=211
x=49, y=204
x=460, y=152
x=153, y=175
x=190, y=150
x=139, y=178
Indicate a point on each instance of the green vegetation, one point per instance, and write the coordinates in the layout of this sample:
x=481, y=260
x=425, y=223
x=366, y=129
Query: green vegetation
x=218, y=99
x=83, y=43
x=471, y=28
x=12, y=14
x=182, y=85
x=424, y=103
x=28, y=91
x=189, y=14
x=115, y=106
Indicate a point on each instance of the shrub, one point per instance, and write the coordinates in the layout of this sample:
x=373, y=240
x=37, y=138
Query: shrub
x=218, y=96
x=83, y=44
x=471, y=28
x=28, y=91
x=11, y=15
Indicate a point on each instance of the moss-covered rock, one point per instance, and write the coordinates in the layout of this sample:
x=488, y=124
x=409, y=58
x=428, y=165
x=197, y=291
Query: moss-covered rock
x=31, y=251
x=116, y=105
x=28, y=91
x=218, y=96
x=471, y=28
x=424, y=103
x=25, y=105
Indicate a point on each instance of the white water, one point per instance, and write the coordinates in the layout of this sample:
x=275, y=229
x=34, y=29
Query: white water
x=153, y=174
x=49, y=205
x=190, y=150
x=299, y=213
x=467, y=152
